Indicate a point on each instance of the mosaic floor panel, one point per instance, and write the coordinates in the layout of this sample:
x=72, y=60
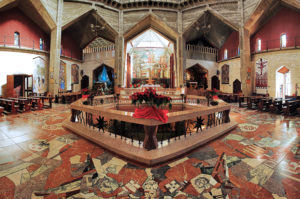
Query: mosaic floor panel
x=40, y=159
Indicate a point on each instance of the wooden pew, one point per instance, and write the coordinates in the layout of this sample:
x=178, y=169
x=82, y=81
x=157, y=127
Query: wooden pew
x=9, y=106
x=290, y=107
x=276, y=106
x=44, y=98
x=264, y=104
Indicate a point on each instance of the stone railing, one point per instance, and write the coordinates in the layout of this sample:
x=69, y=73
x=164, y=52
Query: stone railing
x=201, y=52
x=98, y=49
x=190, y=124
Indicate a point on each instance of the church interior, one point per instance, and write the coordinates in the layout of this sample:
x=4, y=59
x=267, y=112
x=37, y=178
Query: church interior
x=149, y=99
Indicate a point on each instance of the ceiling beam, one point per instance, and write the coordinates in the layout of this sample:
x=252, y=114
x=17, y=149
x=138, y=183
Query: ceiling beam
x=39, y=7
x=261, y=12
x=5, y=3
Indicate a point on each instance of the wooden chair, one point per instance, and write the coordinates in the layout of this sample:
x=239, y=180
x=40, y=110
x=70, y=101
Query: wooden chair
x=1, y=110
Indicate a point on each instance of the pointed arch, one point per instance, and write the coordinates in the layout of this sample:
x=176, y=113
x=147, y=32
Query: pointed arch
x=151, y=21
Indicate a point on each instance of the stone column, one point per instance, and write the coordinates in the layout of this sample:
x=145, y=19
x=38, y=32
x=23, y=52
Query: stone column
x=245, y=56
x=55, y=48
x=119, y=54
x=180, y=53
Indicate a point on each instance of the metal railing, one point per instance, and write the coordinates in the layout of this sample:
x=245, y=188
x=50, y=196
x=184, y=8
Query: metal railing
x=23, y=43
x=276, y=44
x=230, y=54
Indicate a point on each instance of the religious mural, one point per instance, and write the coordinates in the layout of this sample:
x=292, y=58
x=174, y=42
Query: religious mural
x=39, y=75
x=225, y=74
x=62, y=75
x=261, y=81
x=151, y=63
x=75, y=73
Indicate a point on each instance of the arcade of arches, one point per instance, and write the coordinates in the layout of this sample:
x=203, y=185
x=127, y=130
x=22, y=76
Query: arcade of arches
x=70, y=126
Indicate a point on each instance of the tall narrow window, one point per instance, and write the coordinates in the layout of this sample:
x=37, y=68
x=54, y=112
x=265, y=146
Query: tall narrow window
x=225, y=54
x=283, y=40
x=41, y=44
x=17, y=39
x=259, y=45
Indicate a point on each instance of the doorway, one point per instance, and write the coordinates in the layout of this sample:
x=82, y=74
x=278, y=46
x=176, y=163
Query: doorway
x=237, y=86
x=197, y=76
x=85, y=82
x=283, y=82
x=215, y=82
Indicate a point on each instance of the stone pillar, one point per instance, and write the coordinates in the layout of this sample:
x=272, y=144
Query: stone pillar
x=119, y=63
x=119, y=54
x=180, y=53
x=245, y=56
x=55, y=48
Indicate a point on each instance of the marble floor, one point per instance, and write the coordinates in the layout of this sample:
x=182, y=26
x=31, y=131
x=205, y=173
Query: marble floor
x=40, y=159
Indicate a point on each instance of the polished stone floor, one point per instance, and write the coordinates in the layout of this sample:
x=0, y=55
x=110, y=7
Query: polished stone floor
x=39, y=159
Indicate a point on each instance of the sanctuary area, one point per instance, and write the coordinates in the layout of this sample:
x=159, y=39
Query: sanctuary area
x=149, y=99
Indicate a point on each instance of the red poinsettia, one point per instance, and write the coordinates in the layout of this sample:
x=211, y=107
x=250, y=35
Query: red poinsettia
x=212, y=94
x=150, y=97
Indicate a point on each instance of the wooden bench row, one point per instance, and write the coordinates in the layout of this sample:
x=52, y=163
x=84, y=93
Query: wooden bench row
x=14, y=105
x=290, y=106
x=67, y=97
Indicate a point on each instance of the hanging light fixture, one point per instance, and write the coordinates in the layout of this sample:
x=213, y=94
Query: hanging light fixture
x=205, y=28
x=96, y=28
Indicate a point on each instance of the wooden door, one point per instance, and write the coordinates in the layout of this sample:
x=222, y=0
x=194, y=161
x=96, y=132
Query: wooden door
x=10, y=86
x=215, y=82
x=237, y=86
x=85, y=82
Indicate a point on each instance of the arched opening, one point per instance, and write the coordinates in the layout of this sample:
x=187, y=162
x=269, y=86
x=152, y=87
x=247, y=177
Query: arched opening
x=103, y=79
x=84, y=82
x=150, y=60
x=283, y=82
x=237, y=88
x=196, y=77
x=215, y=82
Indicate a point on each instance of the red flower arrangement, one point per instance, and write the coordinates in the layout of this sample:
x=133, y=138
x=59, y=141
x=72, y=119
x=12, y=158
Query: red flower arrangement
x=212, y=94
x=151, y=98
x=85, y=93
x=154, y=101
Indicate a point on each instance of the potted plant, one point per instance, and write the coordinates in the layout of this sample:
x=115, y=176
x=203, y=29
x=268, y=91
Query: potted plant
x=213, y=96
x=154, y=105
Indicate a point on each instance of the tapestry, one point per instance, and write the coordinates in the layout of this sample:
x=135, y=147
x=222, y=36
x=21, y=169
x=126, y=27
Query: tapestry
x=62, y=75
x=225, y=74
x=39, y=75
x=75, y=73
x=261, y=71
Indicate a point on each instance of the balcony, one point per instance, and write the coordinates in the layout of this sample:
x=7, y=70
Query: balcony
x=275, y=45
x=231, y=54
x=24, y=43
x=201, y=53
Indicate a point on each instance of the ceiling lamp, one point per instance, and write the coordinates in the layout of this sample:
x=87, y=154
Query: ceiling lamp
x=205, y=28
x=96, y=28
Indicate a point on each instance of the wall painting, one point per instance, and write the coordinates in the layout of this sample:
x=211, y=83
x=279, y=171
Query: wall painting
x=75, y=74
x=39, y=75
x=62, y=75
x=225, y=74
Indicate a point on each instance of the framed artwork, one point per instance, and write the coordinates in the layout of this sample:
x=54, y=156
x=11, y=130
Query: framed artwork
x=75, y=73
x=225, y=74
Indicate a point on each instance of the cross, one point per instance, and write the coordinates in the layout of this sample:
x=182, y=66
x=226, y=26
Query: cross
x=262, y=65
